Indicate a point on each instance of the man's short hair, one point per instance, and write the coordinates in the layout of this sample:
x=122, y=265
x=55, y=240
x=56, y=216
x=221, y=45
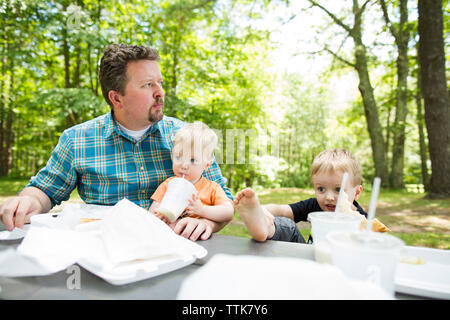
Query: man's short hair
x=333, y=160
x=194, y=136
x=113, y=66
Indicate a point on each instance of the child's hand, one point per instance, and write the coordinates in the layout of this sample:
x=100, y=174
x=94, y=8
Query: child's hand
x=162, y=217
x=195, y=205
x=154, y=210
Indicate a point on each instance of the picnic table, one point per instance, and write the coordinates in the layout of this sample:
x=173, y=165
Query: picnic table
x=162, y=287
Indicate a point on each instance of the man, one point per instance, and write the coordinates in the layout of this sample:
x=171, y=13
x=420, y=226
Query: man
x=123, y=154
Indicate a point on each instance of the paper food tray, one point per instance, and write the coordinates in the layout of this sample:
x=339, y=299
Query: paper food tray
x=430, y=279
x=50, y=219
x=131, y=271
x=43, y=219
x=143, y=269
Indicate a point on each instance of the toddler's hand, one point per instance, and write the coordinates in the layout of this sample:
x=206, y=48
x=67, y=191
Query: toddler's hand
x=162, y=217
x=195, y=205
x=159, y=215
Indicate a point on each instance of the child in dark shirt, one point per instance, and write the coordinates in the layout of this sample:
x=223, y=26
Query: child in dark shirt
x=278, y=222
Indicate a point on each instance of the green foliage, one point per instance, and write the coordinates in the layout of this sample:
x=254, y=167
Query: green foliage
x=302, y=129
x=208, y=62
x=71, y=105
x=217, y=63
x=11, y=186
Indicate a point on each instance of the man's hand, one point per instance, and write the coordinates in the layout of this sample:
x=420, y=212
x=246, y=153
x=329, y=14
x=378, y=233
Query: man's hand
x=17, y=211
x=193, y=229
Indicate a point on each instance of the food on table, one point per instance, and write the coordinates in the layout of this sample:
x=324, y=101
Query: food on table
x=411, y=260
x=85, y=220
x=345, y=207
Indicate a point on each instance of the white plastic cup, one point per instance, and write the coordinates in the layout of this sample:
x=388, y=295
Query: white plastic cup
x=175, y=200
x=367, y=256
x=324, y=222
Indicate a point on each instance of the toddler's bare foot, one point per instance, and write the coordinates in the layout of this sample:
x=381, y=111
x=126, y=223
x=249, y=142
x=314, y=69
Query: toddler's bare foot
x=253, y=214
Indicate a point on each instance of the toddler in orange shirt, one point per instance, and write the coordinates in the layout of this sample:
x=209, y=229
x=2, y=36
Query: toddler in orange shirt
x=193, y=149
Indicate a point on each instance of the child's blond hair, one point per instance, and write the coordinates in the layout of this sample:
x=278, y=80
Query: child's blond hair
x=333, y=160
x=196, y=135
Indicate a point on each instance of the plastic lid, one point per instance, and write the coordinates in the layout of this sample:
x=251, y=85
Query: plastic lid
x=327, y=215
x=365, y=239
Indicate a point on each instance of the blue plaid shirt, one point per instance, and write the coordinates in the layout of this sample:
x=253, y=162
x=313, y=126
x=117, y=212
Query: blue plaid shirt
x=107, y=165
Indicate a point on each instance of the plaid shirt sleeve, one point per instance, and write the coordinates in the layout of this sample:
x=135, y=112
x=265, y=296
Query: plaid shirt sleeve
x=58, y=178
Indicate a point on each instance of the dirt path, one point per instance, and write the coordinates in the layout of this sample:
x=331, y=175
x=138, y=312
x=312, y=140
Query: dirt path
x=421, y=219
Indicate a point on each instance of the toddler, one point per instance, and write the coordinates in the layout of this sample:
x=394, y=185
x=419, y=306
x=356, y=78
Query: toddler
x=193, y=149
x=277, y=222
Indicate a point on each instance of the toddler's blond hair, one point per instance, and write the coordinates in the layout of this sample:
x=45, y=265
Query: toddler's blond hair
x=333, y=160
x=196, y=135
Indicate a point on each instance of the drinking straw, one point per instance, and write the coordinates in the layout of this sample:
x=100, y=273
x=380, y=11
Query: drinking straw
x=341, y=191
x=373, y=202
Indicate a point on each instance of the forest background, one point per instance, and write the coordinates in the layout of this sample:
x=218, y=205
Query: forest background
x=279, y=81
x=284, y=72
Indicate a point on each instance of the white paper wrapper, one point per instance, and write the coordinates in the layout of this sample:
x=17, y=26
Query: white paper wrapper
x=227, y=277
x=146, y=235
x=125, y=234
x=14, y=234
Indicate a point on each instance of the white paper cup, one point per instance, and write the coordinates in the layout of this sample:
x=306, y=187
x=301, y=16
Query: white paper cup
x=324, y=222
x=367, y=256
x=175, y=200
x=322, y=251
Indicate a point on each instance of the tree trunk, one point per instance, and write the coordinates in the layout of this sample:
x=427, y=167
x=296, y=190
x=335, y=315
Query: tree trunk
x=66, y=59
x=91, y=80
x=370, y=106
x=3, y=100
x=99, y=12
x=388, y=132
x=76, y=75
x=9, y=134
x=422, y=144
x=401, y=35
x=436, y=97
x=6, y=108
x=289, y=148
x=365, y=87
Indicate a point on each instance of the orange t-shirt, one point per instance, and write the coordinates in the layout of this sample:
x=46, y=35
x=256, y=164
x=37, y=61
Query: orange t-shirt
x=209, y=192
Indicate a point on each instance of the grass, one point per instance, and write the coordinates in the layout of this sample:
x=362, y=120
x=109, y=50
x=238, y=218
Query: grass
x=10, y=187
x=425, y=239
x=413, y=218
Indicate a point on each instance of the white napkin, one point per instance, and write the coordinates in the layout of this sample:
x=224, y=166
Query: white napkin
x=13, y=264
x=125, y=234
x=130, y=232
x=14, y=234
x=43, y=251
x=227, y=277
